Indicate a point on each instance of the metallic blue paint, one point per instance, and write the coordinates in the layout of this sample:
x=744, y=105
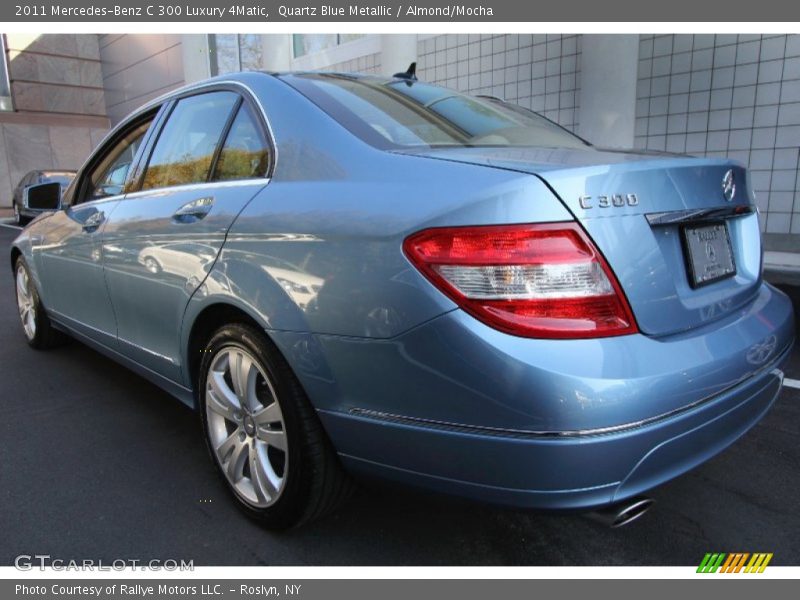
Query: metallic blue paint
x=552, y=473
x=408, y=386
x=455, y=369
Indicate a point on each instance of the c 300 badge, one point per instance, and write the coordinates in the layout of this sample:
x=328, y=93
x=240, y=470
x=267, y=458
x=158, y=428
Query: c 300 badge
x=611, y=201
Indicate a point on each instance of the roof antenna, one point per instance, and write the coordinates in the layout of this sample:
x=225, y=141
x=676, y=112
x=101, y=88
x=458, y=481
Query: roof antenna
x=410, y=75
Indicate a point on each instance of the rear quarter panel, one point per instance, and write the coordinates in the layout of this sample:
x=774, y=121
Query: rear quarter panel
x=319, y=250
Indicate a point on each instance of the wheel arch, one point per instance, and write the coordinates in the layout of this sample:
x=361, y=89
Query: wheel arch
x=210, y=318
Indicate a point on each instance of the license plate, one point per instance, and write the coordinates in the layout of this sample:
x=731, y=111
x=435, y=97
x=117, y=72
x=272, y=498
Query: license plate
x=708, y=253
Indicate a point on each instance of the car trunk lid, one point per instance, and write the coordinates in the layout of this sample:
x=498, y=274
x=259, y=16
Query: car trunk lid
x=644, y=211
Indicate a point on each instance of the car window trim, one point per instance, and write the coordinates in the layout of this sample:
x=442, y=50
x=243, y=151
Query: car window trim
x=226, y=130
x=252, y=111
x=203, y=185
x=137, y=180
x=138, y=164
x=266, y=130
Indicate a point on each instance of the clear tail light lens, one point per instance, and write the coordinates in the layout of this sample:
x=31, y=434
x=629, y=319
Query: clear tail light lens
x=541, y=280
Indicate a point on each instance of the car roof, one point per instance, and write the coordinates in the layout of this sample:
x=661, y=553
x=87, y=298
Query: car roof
x=54, y=173
x=351, y=75
x=241, y=77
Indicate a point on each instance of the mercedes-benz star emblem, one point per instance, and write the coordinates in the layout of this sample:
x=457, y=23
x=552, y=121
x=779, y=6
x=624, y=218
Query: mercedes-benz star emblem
x=728, y=185
x=760, y=352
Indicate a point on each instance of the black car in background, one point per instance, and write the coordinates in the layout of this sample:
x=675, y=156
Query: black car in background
x=23, y=214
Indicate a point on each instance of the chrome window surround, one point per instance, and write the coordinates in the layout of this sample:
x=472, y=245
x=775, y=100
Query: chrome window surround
x=204, y=185
x=187, y=90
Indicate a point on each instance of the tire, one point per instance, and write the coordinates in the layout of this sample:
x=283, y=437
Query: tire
x=152, y=265
x=36, y=326
x=276, y=436
x=18, y=218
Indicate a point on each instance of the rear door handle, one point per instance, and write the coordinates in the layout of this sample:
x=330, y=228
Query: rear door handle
x=94, y=221
x=194, y=210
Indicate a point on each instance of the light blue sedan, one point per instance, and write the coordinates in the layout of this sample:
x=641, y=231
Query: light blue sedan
x=359, y=276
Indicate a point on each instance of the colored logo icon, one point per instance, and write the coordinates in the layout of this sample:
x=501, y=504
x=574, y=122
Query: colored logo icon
x=735, y=562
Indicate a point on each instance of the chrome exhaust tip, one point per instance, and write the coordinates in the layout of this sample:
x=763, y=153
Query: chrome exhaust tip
x=622, y=513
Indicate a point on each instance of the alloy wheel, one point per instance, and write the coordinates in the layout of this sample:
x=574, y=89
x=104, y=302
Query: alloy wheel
x=151, y=264
x=25, y=303
x=246, y=426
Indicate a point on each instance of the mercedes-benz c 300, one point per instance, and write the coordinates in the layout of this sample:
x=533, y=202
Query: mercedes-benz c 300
x=360, y=276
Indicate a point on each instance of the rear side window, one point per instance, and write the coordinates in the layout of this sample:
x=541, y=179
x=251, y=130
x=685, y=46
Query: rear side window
x=186, y=145
x=246, y=152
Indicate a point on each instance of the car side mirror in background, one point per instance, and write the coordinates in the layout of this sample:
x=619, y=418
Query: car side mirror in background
x=44, y=196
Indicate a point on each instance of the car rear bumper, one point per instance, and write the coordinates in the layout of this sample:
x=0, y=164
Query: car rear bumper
x=552, y=472
x=460, y=408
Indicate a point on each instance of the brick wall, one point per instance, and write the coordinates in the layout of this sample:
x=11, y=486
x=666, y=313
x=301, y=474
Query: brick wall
x=137, y=68
x=540, y=72
x=59, y=111
x=728, y=95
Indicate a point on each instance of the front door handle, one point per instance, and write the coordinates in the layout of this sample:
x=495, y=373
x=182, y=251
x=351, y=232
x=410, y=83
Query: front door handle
x=194, y=210
x=94, y=221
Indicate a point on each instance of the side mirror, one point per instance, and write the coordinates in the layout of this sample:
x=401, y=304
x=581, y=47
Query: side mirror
x=44, y=196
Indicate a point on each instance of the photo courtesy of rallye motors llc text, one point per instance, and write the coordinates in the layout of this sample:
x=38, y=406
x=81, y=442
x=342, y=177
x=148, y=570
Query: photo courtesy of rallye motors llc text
x=144, y=591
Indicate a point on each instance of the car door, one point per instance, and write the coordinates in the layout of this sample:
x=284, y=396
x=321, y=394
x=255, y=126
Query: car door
x=210, y=158
x=69, y=249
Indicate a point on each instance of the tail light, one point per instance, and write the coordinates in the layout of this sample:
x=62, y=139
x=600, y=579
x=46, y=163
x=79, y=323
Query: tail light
x=541, y=280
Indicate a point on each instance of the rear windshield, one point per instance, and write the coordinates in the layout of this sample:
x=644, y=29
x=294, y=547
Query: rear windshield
x=405, y=114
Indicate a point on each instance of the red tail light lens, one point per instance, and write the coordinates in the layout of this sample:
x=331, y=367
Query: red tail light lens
x=542, y=280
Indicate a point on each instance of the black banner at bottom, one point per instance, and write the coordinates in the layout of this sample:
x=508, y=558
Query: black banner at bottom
x=381, y=589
